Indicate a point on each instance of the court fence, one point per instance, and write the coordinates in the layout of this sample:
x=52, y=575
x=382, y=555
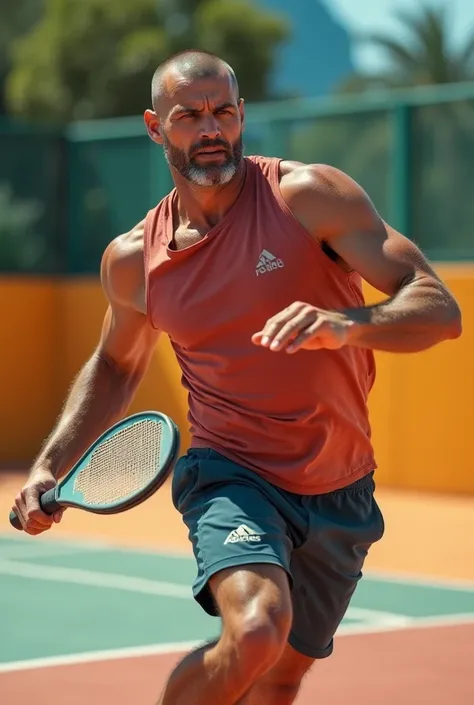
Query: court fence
x=64, y=194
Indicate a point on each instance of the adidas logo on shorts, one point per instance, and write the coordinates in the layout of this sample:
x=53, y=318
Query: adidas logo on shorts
x=243, y=534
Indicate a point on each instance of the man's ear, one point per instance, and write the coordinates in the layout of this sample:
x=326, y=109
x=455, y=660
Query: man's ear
x=152, y=122
x=241, y=110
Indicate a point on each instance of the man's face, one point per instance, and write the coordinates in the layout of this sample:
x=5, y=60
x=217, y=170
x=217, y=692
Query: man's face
x=200, y=127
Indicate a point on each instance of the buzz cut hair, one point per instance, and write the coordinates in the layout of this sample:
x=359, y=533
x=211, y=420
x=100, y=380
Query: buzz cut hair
x=193, y=63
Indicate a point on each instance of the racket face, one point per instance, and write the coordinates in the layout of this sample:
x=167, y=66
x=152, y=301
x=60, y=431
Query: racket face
x=125, y=465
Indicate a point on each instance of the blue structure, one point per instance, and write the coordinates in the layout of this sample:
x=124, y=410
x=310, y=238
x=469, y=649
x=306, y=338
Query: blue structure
x=318, y=56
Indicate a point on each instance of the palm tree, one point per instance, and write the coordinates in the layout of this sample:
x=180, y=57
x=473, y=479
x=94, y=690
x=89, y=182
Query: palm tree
x=422, y=57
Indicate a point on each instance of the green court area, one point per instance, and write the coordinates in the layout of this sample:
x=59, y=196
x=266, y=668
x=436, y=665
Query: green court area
x=64, y=601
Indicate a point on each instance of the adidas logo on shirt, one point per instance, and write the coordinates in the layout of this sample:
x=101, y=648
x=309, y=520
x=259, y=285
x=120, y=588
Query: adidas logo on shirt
x=243, y=534
x=267, y=263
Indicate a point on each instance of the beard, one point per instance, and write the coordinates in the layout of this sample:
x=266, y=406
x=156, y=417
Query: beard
x=205, y=174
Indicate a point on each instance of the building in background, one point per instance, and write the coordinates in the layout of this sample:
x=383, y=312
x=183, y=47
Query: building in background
x=318, y=57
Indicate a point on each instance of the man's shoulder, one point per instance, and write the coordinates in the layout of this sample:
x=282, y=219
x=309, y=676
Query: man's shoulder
x=323, y=178
x=122, y=266
x=323, y=198
x=304, y=175
x=128, y=246
x=324, y=192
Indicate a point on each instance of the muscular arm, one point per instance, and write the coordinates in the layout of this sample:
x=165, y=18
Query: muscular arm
x=104, y=388
x=419, y=311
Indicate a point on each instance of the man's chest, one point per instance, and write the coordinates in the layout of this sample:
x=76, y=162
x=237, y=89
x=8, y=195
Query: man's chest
x=229, y=287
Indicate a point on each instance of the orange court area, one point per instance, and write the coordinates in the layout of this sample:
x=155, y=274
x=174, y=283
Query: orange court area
x=429, y=662
x=428, y=534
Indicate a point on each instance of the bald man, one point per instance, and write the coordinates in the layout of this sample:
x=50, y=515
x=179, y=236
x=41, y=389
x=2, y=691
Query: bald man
x=253, y=268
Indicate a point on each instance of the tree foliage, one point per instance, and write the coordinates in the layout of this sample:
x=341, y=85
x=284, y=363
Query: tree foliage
x=93, y=59
x=17, y=18
x=424, y=57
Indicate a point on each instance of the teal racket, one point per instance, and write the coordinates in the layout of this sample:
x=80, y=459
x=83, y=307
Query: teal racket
x=121, y=469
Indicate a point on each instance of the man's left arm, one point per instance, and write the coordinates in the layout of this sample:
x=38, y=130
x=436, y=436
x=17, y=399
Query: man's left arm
x=419, y=311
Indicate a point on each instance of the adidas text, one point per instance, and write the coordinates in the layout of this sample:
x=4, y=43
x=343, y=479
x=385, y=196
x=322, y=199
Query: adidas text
x=243, y=534
x=267, y=263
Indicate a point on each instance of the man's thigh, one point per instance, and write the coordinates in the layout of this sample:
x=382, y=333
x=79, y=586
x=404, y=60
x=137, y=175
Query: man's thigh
x=231, y=520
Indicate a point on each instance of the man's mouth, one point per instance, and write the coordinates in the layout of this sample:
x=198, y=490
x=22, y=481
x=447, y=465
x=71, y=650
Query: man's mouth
x=211, y=150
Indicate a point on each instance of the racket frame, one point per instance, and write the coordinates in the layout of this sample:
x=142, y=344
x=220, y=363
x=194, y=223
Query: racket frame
x=147, y=490
x=50, y=501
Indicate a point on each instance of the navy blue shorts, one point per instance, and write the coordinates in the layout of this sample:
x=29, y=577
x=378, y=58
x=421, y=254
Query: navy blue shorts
x=235, y=518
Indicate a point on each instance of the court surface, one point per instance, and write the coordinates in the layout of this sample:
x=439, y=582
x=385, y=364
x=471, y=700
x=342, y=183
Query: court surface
x=87, y=622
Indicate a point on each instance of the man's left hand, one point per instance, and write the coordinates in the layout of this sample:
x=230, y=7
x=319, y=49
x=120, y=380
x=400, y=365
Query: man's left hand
x=301, y=326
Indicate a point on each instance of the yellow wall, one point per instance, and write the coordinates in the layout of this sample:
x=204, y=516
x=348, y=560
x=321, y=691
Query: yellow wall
x=49, y=328
x=27, y=362
x=418, y=407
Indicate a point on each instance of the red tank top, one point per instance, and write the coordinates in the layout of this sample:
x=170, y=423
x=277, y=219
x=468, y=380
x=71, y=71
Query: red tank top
x=298, y=420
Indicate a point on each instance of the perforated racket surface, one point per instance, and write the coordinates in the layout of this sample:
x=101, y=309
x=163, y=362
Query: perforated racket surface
x=122, y=468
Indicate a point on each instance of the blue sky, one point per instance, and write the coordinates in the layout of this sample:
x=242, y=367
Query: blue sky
x=370, y=15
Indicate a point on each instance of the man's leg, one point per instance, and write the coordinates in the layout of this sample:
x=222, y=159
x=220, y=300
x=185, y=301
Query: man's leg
x=255, y=606
x=243, y=549
x=281, y=684
x=325, y=571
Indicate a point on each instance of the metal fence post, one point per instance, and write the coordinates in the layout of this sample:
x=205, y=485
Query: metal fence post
x=401, y=177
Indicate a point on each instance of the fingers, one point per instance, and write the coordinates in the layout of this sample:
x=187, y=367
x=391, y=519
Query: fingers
x=324, y=333
x=29, y=524
x=33, y=520
x=314, y=332
x=285, y=326
x=20, y=511
x=304, y=326
x=34, y=511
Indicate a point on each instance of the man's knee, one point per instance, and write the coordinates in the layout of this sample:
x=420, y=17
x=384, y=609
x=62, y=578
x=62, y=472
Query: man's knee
x=261, y=634
x=256, y=610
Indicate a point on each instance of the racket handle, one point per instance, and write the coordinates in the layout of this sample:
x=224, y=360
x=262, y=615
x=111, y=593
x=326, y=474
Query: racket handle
x=48, y=502
x=48, y=505
x=15, y=522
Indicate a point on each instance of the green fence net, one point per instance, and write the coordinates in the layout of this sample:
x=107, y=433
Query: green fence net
x=65, y=195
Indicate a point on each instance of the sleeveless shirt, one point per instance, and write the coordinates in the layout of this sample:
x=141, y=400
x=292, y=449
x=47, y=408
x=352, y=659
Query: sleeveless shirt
x=300, y=421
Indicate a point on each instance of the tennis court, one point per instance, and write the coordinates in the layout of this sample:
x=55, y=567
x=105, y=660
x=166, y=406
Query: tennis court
x=84, y=621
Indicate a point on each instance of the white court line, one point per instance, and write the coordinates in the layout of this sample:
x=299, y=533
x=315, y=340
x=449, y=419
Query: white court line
x=94, y=579
x=95, y=656
x=79, y=576
x=405, y=578
x=377, y=617
x=153, y=587
x=377, y=620
x=181, y=647
x=162, y=589
x=443, y=620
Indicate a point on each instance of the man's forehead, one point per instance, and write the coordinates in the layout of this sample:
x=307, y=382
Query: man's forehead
x=179, y=87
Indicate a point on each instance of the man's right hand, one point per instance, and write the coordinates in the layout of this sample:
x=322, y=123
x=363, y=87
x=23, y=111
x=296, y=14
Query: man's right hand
x=33, y=520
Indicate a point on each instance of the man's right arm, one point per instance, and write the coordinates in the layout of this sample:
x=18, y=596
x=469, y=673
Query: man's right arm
x=103, y=390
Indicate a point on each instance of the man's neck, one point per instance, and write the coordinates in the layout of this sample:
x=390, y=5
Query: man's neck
x=201, y=208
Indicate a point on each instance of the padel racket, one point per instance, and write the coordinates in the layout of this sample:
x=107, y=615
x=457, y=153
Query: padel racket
x=126, y=465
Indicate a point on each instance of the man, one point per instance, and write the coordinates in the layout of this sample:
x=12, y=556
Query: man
x=253, y=267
